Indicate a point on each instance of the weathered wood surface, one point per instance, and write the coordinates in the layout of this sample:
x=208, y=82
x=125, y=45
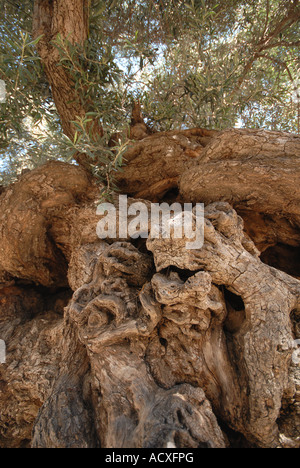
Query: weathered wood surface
x=127, y=344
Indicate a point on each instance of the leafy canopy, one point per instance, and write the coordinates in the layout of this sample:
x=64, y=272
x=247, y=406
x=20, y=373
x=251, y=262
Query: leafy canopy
x=212, y=64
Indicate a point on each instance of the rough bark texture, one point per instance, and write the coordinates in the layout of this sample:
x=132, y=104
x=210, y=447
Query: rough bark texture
x=154, y=165
x=31, y=211
x=69, y=19
x=147, y=344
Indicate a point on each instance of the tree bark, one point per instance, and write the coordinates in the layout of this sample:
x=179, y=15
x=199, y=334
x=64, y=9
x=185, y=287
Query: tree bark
x=70, y=20
x=127, y=343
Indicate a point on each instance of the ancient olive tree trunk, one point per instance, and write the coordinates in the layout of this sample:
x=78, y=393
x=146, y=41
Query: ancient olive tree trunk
x=143, y=343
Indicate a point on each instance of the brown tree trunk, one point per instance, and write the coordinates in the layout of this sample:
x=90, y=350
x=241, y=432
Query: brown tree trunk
x=69, y=20
x=144, y=343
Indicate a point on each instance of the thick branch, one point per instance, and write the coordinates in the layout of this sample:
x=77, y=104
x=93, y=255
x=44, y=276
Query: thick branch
x=254, y=170
x=69, y=20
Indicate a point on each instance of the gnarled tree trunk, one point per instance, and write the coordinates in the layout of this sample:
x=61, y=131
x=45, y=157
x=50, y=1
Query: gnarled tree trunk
x=126, y=343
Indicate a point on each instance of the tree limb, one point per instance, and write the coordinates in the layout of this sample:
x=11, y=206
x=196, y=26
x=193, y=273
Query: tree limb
x=265, y=43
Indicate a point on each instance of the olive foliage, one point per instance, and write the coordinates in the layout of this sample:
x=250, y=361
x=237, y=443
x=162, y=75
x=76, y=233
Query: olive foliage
x=212, y=64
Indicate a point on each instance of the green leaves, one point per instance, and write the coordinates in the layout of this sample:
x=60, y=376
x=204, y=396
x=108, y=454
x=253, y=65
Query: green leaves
x=105, y=152
x=21, y=70
x=185, y=59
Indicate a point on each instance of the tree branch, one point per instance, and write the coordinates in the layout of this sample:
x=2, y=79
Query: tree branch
x=278, y=62
x=282, y=44
x=69, y=20
x=265, y=43
x=267, y=19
